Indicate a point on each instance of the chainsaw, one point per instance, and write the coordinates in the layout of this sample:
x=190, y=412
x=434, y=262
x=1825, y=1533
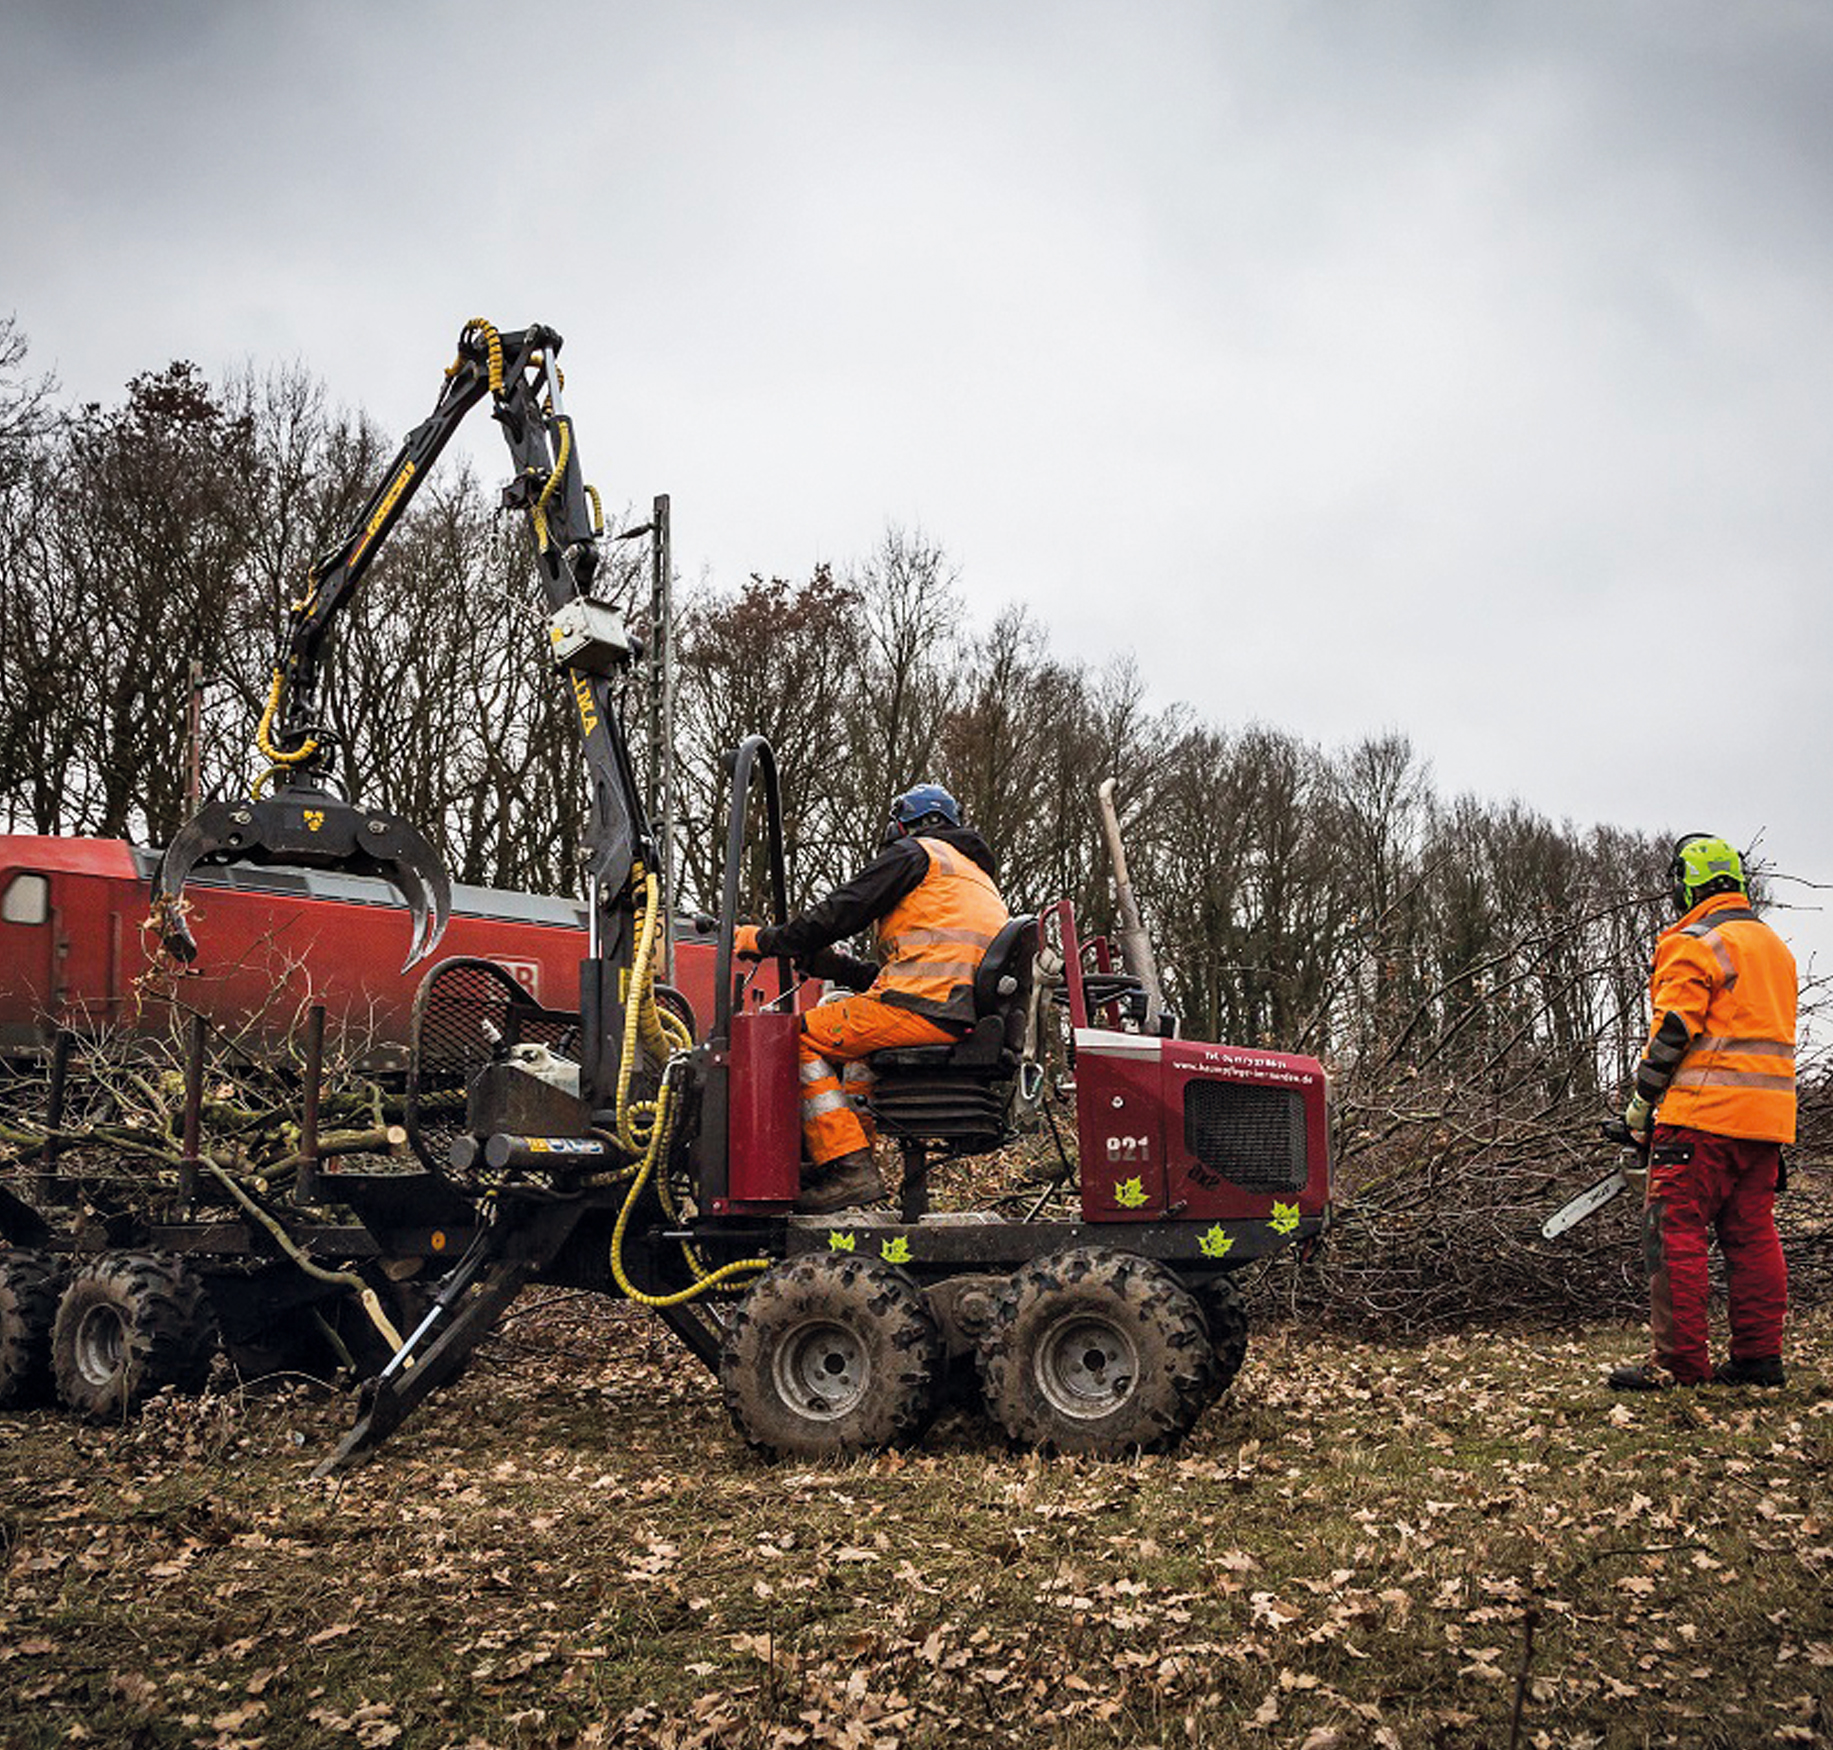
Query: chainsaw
x=1607, y=1189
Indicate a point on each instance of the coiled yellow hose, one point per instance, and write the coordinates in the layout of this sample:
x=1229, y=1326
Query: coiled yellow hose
x=271, y=750
x=644, y=1126
x=538, y=510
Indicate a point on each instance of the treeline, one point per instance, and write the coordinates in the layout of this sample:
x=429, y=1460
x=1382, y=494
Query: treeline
x=1471, y=972
x=1315, y=900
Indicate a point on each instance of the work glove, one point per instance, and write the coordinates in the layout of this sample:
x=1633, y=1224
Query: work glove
x=1637, y=1116
x=744, y=943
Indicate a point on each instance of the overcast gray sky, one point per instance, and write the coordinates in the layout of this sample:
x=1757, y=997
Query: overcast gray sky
x=1454, y=367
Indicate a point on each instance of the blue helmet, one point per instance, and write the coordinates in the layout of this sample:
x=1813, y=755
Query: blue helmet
x=923, y=805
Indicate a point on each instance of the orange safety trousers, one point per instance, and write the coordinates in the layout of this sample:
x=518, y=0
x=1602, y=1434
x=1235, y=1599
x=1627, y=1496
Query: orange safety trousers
x=835, y=1037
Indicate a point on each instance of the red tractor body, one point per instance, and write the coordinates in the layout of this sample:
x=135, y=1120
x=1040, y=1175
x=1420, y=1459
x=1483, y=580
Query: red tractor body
x=1174, y=1129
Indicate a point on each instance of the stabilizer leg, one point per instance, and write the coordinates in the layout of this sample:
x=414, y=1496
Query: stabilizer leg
x=468, y=1305
x=698, y=1329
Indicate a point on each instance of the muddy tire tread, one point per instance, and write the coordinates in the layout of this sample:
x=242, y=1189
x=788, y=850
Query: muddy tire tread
x=168, y=1333
x=892, y=1323
x=30, y=1284
x=1162, y=1319
x=1225, y=1313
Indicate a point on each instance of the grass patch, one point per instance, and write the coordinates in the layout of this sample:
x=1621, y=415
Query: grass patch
x=1358, y=1546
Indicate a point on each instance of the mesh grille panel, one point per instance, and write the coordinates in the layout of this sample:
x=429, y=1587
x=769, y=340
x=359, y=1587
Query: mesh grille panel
x=467, y=1012
x=1253, y=1137
x=471, y=1009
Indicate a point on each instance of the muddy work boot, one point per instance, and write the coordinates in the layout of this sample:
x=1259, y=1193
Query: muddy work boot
x=1762, y=1370
x=846, y=1183
x=1646, y=1376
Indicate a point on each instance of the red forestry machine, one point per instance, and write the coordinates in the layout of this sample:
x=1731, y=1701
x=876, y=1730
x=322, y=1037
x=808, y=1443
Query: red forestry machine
x=626, y=1148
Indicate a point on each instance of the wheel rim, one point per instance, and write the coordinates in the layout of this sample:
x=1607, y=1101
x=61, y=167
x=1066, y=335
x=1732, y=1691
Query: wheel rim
x=821, y=1370
x=101, y=1345
x=1087, y=1367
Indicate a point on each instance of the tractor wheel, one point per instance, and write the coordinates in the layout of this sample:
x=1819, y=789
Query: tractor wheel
x=30, y=1283
x=1226, y=1317
x=130, y=1325
x=1096, y=1352
x=831, y=1354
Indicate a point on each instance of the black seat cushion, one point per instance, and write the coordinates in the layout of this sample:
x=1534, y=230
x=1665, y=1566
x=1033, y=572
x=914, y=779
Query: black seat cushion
x=956, y=1094
x=979, y=1053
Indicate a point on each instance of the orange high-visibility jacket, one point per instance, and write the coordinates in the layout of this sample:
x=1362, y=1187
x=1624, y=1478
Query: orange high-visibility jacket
x=932, y=941
x=1722, y=1055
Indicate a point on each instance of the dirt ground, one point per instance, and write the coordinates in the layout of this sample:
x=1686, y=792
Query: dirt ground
x=1463, y=1542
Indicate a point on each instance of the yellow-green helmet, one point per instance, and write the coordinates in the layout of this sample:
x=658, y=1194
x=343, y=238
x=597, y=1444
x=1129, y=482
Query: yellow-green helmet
x=1702, y=866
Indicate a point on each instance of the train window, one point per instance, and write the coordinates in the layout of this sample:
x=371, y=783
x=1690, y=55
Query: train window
x=270, y=881
x=27, y=900
x=351, y=889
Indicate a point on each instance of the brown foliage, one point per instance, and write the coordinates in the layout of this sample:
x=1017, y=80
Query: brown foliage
x=1360, y=1546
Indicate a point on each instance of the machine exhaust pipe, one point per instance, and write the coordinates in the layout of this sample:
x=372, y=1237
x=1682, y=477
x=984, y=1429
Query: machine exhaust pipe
x=1135, y=944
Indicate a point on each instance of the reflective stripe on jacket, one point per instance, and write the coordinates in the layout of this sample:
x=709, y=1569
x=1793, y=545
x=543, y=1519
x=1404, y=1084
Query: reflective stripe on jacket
x=1722, y=1055
x=933, y=940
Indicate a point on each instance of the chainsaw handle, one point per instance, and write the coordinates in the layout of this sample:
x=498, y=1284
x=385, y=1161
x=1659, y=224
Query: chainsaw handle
x=1615, y=1130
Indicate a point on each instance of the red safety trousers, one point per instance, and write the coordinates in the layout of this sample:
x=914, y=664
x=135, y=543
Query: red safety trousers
x=1727, y=1187
x=840, y=1033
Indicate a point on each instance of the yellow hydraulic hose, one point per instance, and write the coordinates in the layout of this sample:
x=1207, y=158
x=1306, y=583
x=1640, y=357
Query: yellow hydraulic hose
x=493, y=347
x=644, y=1126
x=645, y=1020
x=658, y=1147
x=538, y=511
x=270, y=749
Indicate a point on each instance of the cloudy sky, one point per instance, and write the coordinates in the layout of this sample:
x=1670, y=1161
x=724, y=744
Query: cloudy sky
x=1439, y=365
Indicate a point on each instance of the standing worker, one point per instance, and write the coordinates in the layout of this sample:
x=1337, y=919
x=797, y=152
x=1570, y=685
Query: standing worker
x=1718, y=1079
x=930, y=896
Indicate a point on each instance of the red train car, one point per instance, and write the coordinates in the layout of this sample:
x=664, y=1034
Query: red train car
x=73, y=951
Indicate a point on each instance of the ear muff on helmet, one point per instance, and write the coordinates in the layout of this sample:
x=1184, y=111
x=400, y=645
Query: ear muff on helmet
x=1704, y=865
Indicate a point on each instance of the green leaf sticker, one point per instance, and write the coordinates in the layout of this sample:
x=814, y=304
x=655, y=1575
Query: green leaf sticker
x=1130, y=1193
x=1216, y=1242
x=1285, y=1218
x=840, y=1239
x=895, y=1251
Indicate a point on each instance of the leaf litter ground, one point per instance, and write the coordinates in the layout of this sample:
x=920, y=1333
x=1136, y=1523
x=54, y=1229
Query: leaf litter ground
x=1462, y=1542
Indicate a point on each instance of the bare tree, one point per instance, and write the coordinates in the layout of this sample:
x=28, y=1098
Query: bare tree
x=37, y=719
x=779, y=660
x=126, y=569
x=907, y=676
x=28, y=410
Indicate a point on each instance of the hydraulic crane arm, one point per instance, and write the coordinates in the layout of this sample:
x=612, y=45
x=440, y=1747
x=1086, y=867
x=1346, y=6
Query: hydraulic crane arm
x=307, y=820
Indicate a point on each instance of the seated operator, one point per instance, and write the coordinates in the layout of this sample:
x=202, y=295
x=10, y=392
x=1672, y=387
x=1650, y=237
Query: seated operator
x=929, y=896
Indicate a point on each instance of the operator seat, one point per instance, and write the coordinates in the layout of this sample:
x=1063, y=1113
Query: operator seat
x=956, y=1096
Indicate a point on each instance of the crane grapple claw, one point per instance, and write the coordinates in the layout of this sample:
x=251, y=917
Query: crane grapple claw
x=306, y=828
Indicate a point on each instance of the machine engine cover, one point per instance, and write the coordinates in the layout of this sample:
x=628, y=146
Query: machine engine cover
x=1174, y=1127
